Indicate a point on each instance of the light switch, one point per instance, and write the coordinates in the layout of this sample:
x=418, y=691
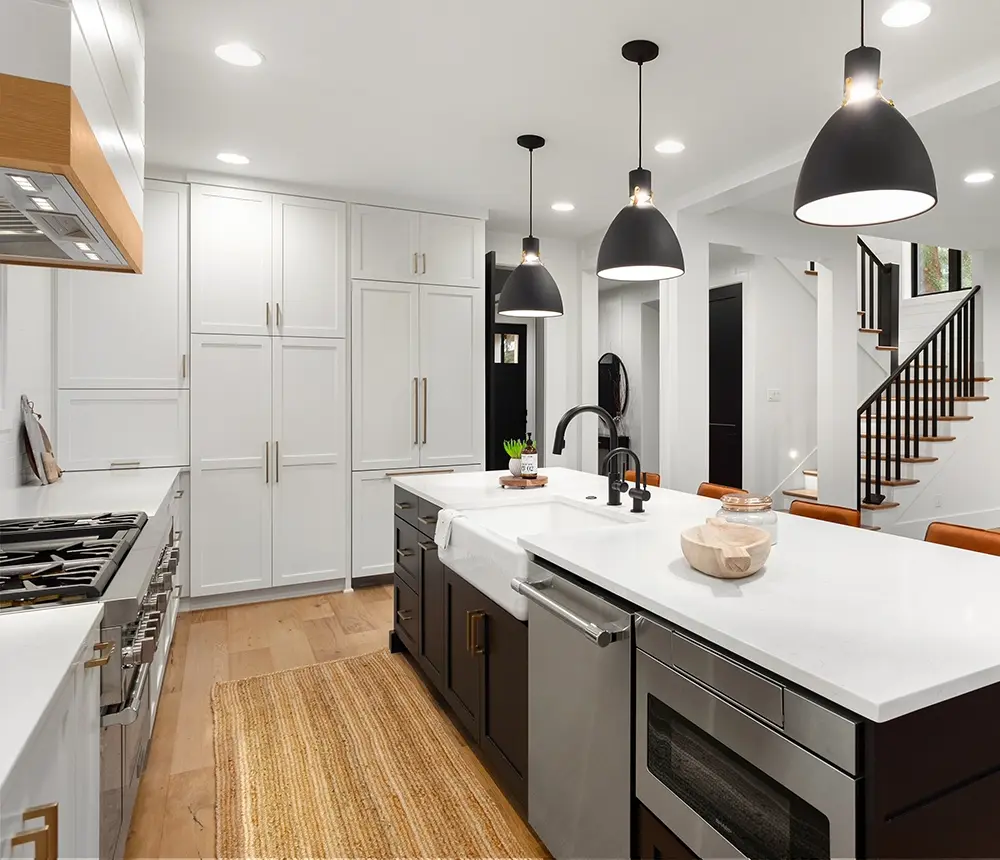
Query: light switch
x=773, y=395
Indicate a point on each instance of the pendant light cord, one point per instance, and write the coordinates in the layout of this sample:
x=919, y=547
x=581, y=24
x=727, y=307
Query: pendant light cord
x=531, y=190
x=862, y=23
x=640, y=114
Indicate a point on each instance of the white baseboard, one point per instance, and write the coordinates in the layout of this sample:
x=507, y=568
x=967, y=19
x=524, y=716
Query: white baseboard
x=261, y=595
x=988, y=519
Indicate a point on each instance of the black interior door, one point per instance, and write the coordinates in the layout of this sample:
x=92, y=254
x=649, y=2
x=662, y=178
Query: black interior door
x=725, y=385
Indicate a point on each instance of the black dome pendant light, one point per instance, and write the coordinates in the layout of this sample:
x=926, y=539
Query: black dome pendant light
x=867, y=165
x=640, y=244
x=530, y=290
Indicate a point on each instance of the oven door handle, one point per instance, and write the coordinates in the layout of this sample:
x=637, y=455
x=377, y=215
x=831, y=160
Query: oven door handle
x=127, y=714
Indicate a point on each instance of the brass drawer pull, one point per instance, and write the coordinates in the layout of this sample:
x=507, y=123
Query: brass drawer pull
x=49, y=813
x=425, y=411
x=105, y=649
x=403, y=506
x=477, y=646
x=404, y=553
x=468, y=632
x=427, y=521
x=404, y=615
x=427, y=545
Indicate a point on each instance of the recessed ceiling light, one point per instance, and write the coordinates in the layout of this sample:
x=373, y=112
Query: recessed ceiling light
x=83, y=246
x=43, y=203
x=906, y=13
x=25, y=184
x=563, y=207
x=979, y=177
x=239, y=54
x=232, y=158
x=669, y=147
x=90, y=255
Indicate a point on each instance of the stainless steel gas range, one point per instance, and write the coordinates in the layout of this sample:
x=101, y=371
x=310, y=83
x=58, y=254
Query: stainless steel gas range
x=128, y=562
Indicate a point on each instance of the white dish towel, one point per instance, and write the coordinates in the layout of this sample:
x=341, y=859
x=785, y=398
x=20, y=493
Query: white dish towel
x=442, y=532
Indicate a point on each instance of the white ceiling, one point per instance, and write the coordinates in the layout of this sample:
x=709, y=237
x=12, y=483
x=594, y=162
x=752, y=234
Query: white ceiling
x=424, y=98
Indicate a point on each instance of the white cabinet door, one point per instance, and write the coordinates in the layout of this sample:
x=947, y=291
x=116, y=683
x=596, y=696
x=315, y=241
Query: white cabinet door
x=230, y=261
x=310, y=267
x=372, y=514
x=85, y=725
x=452, y=383
x=309, y=488
x=385, y=244
x=452, y=251
x=385, y=371
x=115, y=429
x=231, y=452
x=131, y=331
x=183, y=524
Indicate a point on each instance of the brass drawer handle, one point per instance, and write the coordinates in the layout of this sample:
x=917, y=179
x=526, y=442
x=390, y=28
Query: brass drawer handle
x=403, y=506
x=41, y=839
x=425, y=411
x=468, y=632
x=427, y=545
x=404, y=615
x=427, y=521
x=105, y=649
x=49, y=813
x=477, y=646
x=404, y=553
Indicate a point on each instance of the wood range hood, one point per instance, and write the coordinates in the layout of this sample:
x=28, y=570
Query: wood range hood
x=60, y=203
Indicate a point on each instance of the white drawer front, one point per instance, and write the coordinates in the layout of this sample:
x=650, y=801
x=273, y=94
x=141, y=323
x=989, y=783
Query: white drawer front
x=122, y=429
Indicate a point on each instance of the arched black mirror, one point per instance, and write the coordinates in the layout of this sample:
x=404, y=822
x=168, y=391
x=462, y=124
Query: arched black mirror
x=612, y=384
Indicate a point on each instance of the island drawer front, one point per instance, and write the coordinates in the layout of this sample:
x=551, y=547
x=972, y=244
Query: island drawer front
x=407, y=561
x=406, y=618
x=740, y=684
x=427, y=514
x=406, y=506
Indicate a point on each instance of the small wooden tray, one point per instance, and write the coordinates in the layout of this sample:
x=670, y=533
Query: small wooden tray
x=512, y=483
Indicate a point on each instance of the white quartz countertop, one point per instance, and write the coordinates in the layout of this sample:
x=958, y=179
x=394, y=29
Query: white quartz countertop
x=878, y=624
x=90, y=492
x=37, y=648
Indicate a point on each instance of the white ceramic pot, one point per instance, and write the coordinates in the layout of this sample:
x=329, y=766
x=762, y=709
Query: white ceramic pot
x=515, y=467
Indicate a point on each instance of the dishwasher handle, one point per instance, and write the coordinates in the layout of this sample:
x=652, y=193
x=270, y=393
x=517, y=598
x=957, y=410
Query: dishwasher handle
x=600, y=636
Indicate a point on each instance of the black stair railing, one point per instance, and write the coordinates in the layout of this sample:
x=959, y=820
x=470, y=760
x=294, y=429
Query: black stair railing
x=879, y=300
x=924, y=388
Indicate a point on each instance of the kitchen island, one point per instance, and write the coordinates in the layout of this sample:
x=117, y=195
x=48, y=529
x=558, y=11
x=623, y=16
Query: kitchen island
x=898, y=635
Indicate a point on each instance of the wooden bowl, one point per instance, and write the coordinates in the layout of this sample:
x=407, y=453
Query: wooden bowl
x=725, y=550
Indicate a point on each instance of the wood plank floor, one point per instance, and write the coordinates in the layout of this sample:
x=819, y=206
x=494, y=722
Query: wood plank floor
x=175, y=812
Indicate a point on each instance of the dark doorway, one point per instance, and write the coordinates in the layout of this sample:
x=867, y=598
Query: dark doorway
x=506, y=372
x=725, y=385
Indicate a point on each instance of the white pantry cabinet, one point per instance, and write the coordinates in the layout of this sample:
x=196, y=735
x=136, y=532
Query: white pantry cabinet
x=269, y=465
x=372, y=517
x=418, y=381
x=119, y=429
x=131, y=331
x=309, y=428
x=264, y=264
x=57, y=776
x=416, y=247
x=230, y=463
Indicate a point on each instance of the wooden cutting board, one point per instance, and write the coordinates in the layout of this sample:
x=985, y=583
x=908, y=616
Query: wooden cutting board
x=512, y=483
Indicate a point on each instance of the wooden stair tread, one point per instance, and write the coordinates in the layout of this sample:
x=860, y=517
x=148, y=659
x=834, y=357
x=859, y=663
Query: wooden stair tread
x=870, y=330
x=912, y=438
x=812, y=473
x=902, y=459
x=802, y=494
x=892, y=482
x=930, y=418
x=871, y=528
x=883, y=507
x=887, y=348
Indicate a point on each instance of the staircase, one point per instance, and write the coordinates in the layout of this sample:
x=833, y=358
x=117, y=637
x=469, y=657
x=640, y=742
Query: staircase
x=906, y=425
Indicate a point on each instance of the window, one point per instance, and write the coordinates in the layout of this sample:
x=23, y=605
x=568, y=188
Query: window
x=940, y=270
x=505, y=349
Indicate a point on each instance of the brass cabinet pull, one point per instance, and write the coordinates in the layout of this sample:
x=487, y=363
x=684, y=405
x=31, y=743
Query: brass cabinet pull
x=414, y=262
x=267, y=314
x=425, y=410
x=105, y=649
x=477, y=646
x=267, y=462
x=423, y=270
x=427, y=545
x=404, y=553
x=49, y=813
x=468, y=632
x=277, y=314
x=404, y=615
x=277, y=462
x=184, y=366
x=403, y=506
x=125, y=464
x=427, y=521
x=416, y=412
x=41, y=839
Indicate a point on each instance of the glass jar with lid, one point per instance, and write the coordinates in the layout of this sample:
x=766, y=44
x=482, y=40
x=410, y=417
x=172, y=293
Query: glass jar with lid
x=750, y=511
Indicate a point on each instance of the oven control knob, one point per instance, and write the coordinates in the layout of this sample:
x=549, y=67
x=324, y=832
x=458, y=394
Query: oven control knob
x=156, y=602
x=140, y=651
x=153, y=622
x=167, y=582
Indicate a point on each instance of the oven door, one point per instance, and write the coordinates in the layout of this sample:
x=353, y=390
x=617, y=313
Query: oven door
x=727, y=784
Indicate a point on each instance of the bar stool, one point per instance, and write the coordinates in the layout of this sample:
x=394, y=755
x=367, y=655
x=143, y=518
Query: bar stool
x=829, y=513
x=717, y=491
x=964, y=537
x=652, y=478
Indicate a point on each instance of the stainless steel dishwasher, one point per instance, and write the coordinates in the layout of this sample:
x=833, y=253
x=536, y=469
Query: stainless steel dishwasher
x=579, y=717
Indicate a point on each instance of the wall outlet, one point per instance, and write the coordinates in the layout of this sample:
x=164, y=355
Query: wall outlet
x=773, y=395
x=937, y=501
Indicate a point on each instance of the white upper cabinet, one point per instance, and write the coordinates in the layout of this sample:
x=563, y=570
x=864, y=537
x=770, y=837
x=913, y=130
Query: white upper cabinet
x=385, y=244
x=310, y=267
x=451, y=376
x=311, y=465
x=231, y=457
x=131, y=331
x=231, y=267
x=386, y=371
x=416, y=247
x=452, y=251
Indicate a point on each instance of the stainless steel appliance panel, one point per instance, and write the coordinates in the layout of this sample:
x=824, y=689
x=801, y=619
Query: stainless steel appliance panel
x=579, y=720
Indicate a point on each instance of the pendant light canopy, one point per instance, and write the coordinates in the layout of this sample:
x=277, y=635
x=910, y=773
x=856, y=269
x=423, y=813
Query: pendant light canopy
x=640, y=244
x=867, y=165
x=530, y=290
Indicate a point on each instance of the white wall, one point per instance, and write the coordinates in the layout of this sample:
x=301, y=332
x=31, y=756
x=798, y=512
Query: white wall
x=621, y=331
x=561, y=388
x=26, y=367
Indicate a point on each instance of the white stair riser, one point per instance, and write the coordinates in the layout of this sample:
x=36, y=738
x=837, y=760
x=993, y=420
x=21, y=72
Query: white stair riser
x=811, y=482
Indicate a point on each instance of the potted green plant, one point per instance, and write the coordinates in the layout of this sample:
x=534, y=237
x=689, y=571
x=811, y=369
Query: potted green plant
x=514, y=447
